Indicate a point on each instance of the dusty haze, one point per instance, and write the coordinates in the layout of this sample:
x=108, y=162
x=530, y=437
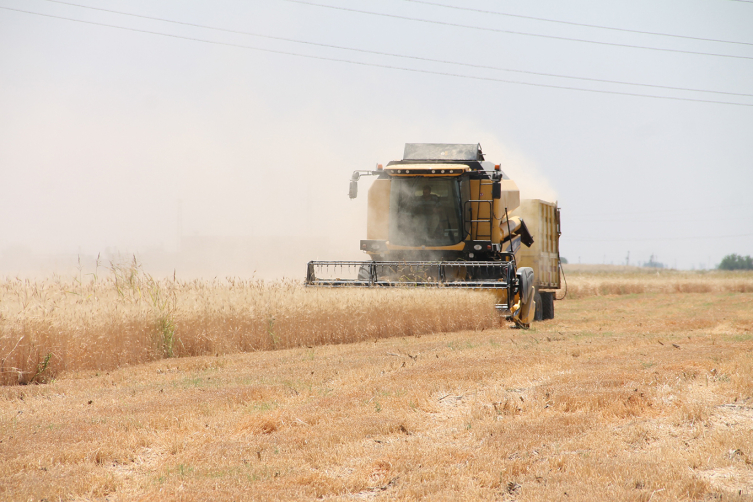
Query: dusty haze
x=212, y=160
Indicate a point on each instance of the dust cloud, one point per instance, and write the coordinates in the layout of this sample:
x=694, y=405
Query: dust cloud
x=531, y=180
x=243, y=191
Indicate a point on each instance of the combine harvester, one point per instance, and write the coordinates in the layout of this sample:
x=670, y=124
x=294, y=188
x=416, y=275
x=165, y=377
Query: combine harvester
x=445, y=217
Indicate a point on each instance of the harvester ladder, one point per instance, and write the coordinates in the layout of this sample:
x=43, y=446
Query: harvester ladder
x=480, y=221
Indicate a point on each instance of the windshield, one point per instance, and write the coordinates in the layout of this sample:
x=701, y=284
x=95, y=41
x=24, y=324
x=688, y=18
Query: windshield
x=425, y=212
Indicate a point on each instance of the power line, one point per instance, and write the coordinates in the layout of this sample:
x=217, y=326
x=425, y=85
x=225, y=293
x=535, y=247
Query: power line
x=417, y=58
x=697, y=237
x=511, y=32
x=657, y=221
x=571, y=23
x=376, y=65
x=685, y=210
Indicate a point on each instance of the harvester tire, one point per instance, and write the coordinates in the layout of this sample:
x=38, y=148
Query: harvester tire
x=547, y=305
x=527, y=293
x=539, y=315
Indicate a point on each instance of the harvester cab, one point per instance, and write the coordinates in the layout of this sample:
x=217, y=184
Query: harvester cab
x=442, y=216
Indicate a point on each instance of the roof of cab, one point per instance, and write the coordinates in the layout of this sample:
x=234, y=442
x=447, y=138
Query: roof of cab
x=442, y=151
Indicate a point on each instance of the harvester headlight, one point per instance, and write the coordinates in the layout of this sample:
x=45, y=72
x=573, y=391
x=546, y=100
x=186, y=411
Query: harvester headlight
x=433, y=171
x=477, y=247
x=442, y=171
x=407, y=172
x=470, y=255
x=398, y=171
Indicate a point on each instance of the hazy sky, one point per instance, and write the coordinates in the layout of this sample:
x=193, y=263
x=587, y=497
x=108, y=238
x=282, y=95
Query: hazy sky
x=106, y=132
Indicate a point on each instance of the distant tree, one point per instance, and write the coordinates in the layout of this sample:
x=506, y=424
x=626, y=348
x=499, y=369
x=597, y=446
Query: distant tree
x=736, y=262
x=563, y=260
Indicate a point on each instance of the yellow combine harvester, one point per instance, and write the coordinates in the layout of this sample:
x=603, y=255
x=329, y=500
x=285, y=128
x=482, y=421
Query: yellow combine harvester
x=445, y=217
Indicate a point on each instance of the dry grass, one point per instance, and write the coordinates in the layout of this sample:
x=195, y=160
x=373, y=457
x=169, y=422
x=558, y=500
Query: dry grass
x=644, y=397
x=127, y=317
x=600, y=280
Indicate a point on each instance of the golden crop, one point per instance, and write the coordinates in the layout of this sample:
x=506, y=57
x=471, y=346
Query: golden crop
x=128, y=317
x=597, y=280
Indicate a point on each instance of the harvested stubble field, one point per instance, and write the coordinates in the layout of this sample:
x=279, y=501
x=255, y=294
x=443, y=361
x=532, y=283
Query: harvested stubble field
x=632, y=397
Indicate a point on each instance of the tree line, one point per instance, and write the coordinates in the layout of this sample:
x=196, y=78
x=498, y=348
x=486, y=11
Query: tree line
x=736, y=262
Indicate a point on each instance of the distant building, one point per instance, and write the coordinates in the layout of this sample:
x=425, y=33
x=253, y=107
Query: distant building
x=652, y=263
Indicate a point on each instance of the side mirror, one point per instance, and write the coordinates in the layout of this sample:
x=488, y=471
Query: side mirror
x=353, y=191
x=496, y=190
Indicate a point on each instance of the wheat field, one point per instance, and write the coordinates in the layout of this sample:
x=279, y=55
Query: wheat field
x=645, y=397
x=125, y=317
x=596, y=280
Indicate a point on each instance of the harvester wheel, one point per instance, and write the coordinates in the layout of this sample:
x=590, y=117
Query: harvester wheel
x=526, y=312
x=539, y=315
x=547, y=305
